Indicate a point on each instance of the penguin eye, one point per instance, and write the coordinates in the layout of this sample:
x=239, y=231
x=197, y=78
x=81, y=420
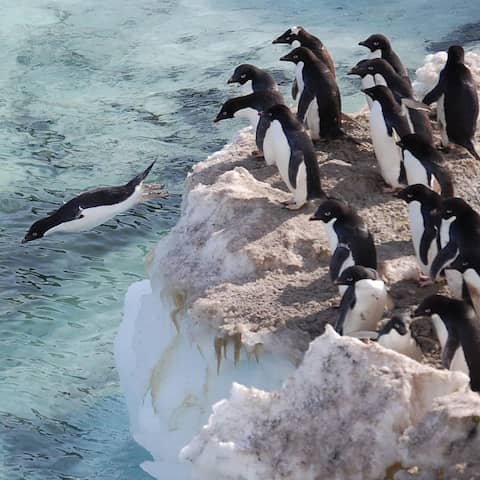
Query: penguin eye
x=288, y=38
x=375, y=44
x=350, y=279
x=370, y=68
x=428, y=310
x=409, y=195
x=327, y=214
x=224, y=114
x=448, y=212
x=295, y=57
x=243, y=75
x=465, y=264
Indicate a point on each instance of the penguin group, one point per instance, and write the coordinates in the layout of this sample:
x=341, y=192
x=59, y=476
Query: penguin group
x=445, y=230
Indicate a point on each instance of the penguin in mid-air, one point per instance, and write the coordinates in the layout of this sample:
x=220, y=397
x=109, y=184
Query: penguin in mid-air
x=459, y=233
x=363, y=302
x=319, y=96
x=299, y=37
x=378, y=71
x=349, y=240
x=423, y=205
x=252, y=79
x=457, y=102
x=380, y=47
x=423, y=164
x=92, y=208
x=288, y=145
x=468, y=264
x=460, y=334
x=250, y=107
x=397, y=335
x=388, y=124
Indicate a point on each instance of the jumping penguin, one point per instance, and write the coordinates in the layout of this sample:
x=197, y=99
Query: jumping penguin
x=253, y=79
x=422, y=162
x=92, y=208
x=460, y=334
x=457, y=102
x=388, y=124
x=319, y=96
x=423, y=205
x=363, y=302
x=288, y=145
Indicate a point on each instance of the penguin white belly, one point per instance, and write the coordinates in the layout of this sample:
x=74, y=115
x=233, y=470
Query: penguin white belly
x=92, y=217
x=379, y=80
x=347, y=263
x=300, y=194
x=299, y=77
x=445, y=230
x=442, y=120
x=440, y=330
x=250, y=114
x=282, y=151
x=459, y=364
x=368, y=82
x=371, y=299
x=269, y=146
x=331, y=235
x=386, y=150
x=472, y=279
x=453, y=277
x=417, y=227
x=406, y=112
x=403, y=344
x=414, y=169
x=247, y=88
x=313, y=120
x=375, y=54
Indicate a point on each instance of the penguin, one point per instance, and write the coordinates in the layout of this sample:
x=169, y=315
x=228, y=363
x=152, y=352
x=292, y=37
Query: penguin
x=459, y=232
x=423, y=205
x=457, y=102
x=349, y=240
x=397, y=335
x=301, y=38
x=319, y=95
x=422, y=162
x=92, y=208
x=253, y=79
x=378, y=71
x=460, y=334
x=363, y=302
x=388, y=124
x=249, y=107
x=288, y=145
x=468, y=264
x=380, y=47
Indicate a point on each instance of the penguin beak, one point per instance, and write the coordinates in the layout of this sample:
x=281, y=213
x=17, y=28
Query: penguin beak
x=400, y=144
x=217, y=119
x=231, y=80
x=419, y=312
x=353, y=71
x=277, y=40
x=285, y=58
x=24, y=240
x=313, y=218
x=363, y=44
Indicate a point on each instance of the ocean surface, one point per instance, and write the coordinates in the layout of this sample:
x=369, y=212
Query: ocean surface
x=90, y=93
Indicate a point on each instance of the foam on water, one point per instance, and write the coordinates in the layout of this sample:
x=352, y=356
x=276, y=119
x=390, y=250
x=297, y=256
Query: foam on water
x=90, y=93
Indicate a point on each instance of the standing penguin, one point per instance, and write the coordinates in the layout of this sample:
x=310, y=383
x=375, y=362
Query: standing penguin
x=349, y=239
x=397, y=335
x=457, y=102
x=319, y=95
x=92, y=208
x=461, y=348
x=302, y=38
x=249, y=107
x=380, y=47
x=422, y=162
x=252, y=79
x=459, y=232
x=289, y=146
x=423, y=204
x=363, y=302
x=388, y=123
x=378, y=71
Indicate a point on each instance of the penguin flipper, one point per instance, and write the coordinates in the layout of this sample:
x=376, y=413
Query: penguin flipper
x=347, y=303
x=339, y=256
x=436, y=92
x=306, y=99
x=296, y=159
x=428, y=237
x=294, y=89
x=449, y=350
x=262, y=128
x=444, y=257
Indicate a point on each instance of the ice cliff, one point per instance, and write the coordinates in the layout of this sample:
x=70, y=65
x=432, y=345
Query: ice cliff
x=235, y=294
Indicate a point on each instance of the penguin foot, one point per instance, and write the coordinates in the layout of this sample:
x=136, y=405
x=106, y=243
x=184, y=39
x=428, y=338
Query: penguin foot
x=294, y=206
x=153, y=190
x=424, y=281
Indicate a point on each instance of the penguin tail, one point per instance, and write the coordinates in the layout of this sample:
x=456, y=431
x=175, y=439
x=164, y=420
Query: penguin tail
x=141, y=176
x=471, y=149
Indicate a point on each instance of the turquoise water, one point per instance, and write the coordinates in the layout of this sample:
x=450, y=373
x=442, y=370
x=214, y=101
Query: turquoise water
x=90, y=93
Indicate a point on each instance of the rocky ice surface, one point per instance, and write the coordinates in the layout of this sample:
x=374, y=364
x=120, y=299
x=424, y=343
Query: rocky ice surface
x=236, y=293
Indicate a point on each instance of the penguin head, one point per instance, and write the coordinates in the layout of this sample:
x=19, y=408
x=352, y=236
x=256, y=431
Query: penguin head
x=376, y=42
x=371, y=67
x=38, y=230
x=299, y=54
x=231, y=106
x=243, y=73
x=435, y=304
x=454, y=207
x=398, y=322
x=330, y=209
x=380, y=93
x=456, y=54
x=292, y=34
x=355, y=273
x=416, y=192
